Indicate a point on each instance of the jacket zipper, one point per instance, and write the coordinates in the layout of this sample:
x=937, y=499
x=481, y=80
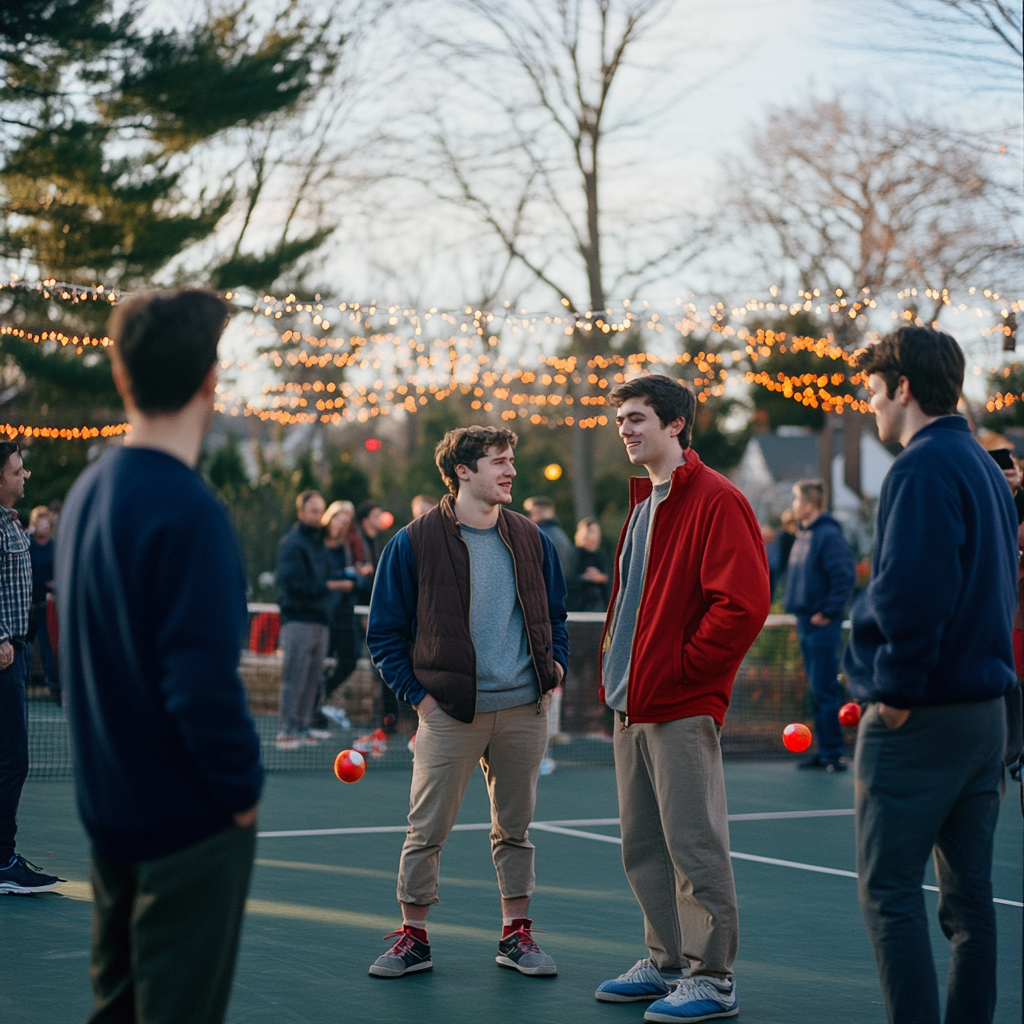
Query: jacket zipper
x=533, y=659
x=643, y=587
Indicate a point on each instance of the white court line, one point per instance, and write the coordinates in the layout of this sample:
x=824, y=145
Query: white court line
x=558, y=828
x=375, y=829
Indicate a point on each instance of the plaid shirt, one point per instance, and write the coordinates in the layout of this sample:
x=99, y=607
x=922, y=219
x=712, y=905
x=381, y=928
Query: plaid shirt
x=15, y=577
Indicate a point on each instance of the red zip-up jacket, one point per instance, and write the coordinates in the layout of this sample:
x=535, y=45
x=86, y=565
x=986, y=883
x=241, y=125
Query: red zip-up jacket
x=704, y=599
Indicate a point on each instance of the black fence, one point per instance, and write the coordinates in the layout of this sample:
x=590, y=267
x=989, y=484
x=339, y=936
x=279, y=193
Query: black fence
x=771, y=691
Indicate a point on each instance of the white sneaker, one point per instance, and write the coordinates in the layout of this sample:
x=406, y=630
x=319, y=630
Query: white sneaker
x=693, y=999
x=337, y=716
x=288, y=743
x=319, y=734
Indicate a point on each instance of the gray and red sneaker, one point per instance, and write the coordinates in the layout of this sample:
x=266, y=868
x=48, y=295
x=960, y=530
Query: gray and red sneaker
x=406, y=956
x=518, y=951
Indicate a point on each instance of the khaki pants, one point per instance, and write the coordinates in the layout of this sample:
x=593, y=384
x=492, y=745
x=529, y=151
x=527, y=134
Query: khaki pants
x=509, y=746
x=675, y=841
x=165, y=932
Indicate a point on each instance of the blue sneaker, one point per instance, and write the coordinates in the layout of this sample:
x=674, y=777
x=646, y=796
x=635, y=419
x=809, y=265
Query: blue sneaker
x=641, y=983
x=693, y=999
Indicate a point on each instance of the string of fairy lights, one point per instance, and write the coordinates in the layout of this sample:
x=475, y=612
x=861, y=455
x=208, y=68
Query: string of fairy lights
x=354, y=361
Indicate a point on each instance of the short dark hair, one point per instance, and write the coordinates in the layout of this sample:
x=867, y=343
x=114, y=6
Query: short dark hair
x=166, y=343
x=364, y=508
x=670, y=398
x=464, y=446
x=303, y=498
x=7, y=449
x=931, y=360
x=812, y=491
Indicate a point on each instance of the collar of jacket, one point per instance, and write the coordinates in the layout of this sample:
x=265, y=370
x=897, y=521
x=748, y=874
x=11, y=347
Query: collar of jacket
x=641, y=487
x=315, y=532
x=451, y=520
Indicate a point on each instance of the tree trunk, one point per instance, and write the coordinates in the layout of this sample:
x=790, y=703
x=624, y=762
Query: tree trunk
x=583, y=442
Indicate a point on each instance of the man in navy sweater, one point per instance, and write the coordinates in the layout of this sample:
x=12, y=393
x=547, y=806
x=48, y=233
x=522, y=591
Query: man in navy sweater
x=819, y=582
x=931, y=655
x=151, y=596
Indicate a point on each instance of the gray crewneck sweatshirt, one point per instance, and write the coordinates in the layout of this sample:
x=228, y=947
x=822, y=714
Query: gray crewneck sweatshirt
x=505, y=677
x=632, y=569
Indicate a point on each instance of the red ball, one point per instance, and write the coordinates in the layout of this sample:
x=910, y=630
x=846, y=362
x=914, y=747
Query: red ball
x=350, y=766
x=797, y=737
x=849, y=714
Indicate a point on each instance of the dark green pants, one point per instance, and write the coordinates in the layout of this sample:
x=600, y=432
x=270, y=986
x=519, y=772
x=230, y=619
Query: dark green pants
x=165, y=932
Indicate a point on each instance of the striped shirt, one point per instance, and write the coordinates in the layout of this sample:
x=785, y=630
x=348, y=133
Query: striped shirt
x=15, y=577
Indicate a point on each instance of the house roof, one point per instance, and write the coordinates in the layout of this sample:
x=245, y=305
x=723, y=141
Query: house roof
x=789, y=458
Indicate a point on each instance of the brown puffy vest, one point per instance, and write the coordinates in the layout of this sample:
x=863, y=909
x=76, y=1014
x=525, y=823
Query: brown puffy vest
x=443, y=656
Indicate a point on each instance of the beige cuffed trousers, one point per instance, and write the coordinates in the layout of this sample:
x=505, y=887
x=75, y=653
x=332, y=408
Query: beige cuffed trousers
x=509, y=746
x=675, y=841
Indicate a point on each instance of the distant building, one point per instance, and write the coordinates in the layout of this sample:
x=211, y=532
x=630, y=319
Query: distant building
x=847, y=453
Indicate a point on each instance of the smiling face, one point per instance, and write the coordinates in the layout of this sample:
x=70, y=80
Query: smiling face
x=491, y=484
x=647, y=441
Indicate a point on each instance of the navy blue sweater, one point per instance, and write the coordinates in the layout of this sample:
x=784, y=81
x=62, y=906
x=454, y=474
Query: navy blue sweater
x=935, y=624
x=392, y=623
x=822, y=573
x=151, y=600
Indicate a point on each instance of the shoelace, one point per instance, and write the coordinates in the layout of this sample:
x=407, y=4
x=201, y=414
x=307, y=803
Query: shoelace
x=404, y=943
x=27, y=863
x=525, y=939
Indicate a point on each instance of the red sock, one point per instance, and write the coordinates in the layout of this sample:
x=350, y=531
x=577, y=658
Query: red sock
x=514, y=925
x=416, y=933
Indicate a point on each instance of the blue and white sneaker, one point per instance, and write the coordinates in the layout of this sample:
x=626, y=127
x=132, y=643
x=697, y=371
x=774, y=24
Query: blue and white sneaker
x=641, y=983
x=693, y=999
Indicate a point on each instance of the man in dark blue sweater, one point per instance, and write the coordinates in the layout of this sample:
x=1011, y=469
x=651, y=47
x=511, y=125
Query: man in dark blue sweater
x=819, y=581
x=931, y=654
x=151, y=596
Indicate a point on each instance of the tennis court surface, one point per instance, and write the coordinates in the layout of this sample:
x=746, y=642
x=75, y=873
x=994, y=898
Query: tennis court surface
x=322, y=898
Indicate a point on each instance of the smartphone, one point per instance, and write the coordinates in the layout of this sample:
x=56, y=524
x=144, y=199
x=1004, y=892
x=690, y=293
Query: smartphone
x=1003, y=457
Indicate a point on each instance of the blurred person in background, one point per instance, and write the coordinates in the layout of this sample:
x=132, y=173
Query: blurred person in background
x=348, y=587
x=820, y=580
x=304, y=598
x=40, y=551
x=589, y=587
x=16, y=873
x=541, y=510
x=422, y=504
x=370, y=529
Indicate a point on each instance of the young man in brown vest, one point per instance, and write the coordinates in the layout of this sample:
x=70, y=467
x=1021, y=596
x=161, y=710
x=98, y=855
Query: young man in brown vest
x=467, y=624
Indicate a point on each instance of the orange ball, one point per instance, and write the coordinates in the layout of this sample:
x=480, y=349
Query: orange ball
x=849, y=714
x=796, y=737
x=350, y=766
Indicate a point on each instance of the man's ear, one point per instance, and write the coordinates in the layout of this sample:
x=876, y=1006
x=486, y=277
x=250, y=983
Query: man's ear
x=675, y=428
x=903, y=394
x=122, y=383
x=209, y=385
x=466, y=471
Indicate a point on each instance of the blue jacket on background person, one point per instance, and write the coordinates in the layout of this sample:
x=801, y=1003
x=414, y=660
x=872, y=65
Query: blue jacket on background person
x=822, y=571
x=952, y=643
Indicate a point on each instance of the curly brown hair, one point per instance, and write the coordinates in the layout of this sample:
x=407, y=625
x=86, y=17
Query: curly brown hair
x=465, y=445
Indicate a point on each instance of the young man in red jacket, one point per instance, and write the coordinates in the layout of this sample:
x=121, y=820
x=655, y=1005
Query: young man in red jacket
x=690, y=595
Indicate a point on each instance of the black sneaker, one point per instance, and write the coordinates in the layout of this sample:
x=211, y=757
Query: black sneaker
x=816, y=761
x=23, y=876
x=522, y=954
x=406, y=956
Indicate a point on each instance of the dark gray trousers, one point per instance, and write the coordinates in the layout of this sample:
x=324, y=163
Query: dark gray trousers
x=931, y=787
x=165, y=932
